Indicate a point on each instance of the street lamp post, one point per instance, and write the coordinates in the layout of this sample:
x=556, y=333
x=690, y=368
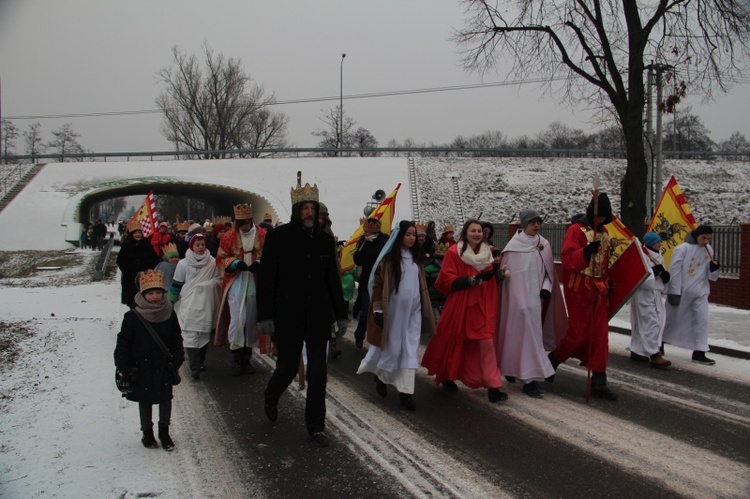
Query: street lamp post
x=341, y=102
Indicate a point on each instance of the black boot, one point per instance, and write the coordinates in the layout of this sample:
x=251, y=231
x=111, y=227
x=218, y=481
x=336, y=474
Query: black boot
x=164, y=438
x=247, y=367
x=553, y=360
x=195, y=362
x=599, y=387
x=700, y=357
x=148, y=439
x=407, y=401
x=381, y=387
x=235, y=365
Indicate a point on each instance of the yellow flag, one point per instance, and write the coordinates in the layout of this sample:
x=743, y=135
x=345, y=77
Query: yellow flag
x=672, y=220
x=384, y=212
x=620, y=236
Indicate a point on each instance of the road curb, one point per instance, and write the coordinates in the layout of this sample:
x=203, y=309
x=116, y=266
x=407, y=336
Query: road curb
x=729, y=352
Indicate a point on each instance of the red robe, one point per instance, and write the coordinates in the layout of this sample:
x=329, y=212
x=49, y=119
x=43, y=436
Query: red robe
x=587, y=298
x=230, y=249
x=463, y=348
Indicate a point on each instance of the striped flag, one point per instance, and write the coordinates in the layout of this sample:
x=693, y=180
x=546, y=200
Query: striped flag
x=620, y=237
x=672, y=220
x=384, y=212
x=146, y=215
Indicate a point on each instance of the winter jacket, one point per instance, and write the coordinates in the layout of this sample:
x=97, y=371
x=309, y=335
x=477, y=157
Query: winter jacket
x=137, y=349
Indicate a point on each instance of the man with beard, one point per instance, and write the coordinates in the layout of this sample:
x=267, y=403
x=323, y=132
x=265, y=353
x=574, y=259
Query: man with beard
x=299, y=298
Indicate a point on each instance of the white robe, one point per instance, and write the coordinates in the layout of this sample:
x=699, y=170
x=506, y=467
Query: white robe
x=687, y=324
x=647, y=314
x=520, y=338
x=199, y=300
x=241, y=297
x=397, y=363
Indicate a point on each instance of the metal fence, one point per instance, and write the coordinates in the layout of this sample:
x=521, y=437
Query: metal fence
x=725, y=241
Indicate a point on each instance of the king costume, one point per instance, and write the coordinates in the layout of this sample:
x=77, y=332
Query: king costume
x=237, y=324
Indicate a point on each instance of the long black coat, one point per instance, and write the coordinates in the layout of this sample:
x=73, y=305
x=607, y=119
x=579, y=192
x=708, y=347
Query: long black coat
x=299, y=287
x=137, y=349
x=365, y=256
x=134, y=256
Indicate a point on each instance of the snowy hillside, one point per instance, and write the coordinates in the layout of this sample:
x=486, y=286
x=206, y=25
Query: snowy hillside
x=717, y=191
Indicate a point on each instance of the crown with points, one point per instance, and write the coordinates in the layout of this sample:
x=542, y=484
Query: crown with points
x=441, y=249
x=170, y=250
x=305, y=193
x=243, y=211
x=183, y=226
x=268, y=217
x=134, y=225
x=421, y=228
x=151, y=280
x=372, y=225
x=221, y=220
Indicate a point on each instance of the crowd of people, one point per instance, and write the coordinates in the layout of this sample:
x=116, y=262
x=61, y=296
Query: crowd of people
x=491, y=314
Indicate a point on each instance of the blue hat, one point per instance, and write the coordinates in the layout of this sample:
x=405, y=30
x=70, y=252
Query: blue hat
x=650, y=239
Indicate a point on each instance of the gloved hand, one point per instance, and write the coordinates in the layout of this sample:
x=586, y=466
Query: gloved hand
x=545, y=294
x=485, y=276
x=266, y=327
x=379, y=319
x=593, y=247
x=241, y=265
x=657, y=269
x=714, y=266
x=254, y=266
x=464, y=282
x=665, y=276
x=673, y=300
x=172, y=296
x=341, y=326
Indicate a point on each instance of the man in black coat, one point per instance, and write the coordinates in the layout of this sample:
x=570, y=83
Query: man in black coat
x=299, y=298
x=368, y=249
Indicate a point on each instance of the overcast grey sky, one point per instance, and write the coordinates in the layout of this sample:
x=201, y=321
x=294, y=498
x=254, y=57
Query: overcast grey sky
x=93, y=56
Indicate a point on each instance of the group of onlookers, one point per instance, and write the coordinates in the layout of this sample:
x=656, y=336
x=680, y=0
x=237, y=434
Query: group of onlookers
x=489, y=312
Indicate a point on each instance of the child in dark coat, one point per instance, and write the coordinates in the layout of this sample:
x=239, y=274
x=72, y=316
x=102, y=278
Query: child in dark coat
x=137, y=352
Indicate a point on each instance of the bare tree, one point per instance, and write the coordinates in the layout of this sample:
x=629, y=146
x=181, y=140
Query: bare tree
x=594, y=51
x=363, y=139
x=33, y=139
x=336, y=134
x=109, y=210
x=65, y=141
x=216, y=107
x=736, y=144
x=8, y=139
x=688, y=133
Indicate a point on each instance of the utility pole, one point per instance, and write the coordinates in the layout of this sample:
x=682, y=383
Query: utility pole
x=650, y=136
x=659, y=69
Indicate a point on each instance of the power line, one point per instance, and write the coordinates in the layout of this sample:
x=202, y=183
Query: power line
x=303, y=101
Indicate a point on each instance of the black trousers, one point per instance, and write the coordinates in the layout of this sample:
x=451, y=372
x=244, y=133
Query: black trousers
x=165, y=415
x=287, y=367
x=196, y=357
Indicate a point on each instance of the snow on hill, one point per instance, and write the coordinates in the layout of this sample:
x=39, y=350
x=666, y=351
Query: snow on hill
x=498, y=188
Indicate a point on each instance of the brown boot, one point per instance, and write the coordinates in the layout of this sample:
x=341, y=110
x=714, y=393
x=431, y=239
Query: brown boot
x=659, y=362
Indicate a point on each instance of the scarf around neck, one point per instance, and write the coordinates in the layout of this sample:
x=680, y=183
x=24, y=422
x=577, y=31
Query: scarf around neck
x=153, y=312
x=197, y=261
x=480, y=260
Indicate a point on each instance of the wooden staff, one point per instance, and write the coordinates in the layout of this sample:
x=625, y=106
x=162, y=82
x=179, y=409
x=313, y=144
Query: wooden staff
x=710, y=256
x=596, y=272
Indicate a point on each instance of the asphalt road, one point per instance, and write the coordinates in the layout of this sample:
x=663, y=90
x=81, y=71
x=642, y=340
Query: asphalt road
x=683, y=432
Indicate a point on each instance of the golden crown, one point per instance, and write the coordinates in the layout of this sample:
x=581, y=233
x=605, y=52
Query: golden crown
x=151, y=279
x=222, y=220
x=243, y=211
x=171, y=248
x=372, y=226
x=441, y=249
x=305, y=193
x=183, y=226
x=134, y=225
x=421, y=229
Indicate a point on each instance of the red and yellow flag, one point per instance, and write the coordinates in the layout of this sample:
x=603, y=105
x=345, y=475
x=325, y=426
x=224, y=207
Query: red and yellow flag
x=620, y=236
x=146, y=215
x=672, y=220
x=384, y=212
